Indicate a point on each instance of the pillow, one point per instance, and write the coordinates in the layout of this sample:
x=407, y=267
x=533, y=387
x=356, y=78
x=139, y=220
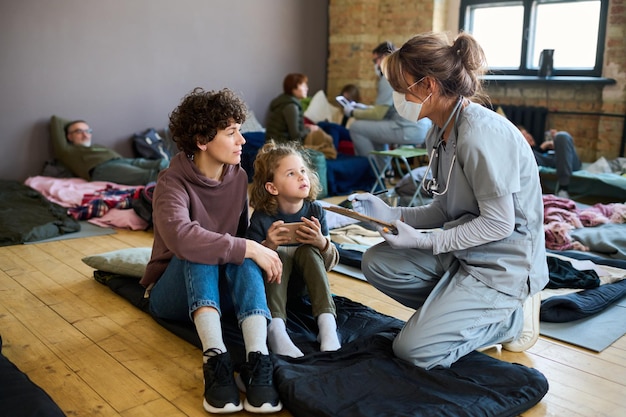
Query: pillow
x=319, y=109
x=57, y=125
x=251, y=124
x=131, y=261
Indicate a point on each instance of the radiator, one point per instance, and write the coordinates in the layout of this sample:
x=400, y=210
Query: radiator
x=532, y=118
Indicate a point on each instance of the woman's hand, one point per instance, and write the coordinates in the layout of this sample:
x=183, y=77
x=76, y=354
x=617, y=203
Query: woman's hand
x=267, y=259
x=406, y=237
x=372, y=206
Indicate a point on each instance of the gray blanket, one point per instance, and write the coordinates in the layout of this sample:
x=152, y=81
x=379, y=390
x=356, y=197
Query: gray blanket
x=608, y=240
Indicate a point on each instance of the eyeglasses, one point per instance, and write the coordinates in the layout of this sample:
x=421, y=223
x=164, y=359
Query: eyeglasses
x=85, y=131
x=411, y=85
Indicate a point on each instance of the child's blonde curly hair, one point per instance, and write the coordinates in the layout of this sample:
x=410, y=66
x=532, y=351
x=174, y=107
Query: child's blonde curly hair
x=264, y=167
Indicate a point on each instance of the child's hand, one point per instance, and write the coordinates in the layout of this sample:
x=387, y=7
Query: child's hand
x=277, y=235
x=311, y=233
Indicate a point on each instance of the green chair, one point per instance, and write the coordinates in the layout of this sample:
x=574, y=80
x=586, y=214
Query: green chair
x=400, y=156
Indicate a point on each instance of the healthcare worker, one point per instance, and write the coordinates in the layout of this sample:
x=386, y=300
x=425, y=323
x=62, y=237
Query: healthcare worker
x=473, y=261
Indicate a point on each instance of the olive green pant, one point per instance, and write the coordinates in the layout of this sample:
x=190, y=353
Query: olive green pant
x=302, y=272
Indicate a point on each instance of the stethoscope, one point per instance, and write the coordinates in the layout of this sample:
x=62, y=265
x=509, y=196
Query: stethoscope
x=432, y=186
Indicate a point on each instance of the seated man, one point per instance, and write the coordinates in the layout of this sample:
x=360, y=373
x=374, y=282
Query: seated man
x=98, y=163
x=556, y=151
x=378, y=126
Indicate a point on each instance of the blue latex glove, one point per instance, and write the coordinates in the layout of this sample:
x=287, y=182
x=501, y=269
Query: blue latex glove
x=370, y=205
x=406, y=237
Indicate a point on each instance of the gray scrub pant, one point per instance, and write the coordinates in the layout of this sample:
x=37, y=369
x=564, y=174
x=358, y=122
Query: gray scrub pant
x=455, y=313
x=377, y=135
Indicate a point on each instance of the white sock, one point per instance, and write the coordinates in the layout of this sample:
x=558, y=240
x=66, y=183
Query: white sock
x=254, y=330
x=209, y=329
x=279, y=340
x=328, y=337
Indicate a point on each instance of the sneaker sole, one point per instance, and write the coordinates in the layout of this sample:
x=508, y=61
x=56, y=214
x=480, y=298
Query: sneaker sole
x=530, y=331
x=228, y=408
x=265, y=408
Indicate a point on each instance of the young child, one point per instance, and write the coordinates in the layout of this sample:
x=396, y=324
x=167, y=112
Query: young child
x=283, y=191
x=200, y=212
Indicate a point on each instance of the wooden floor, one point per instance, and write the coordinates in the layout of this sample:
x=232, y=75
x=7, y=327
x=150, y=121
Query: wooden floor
x=97, y=355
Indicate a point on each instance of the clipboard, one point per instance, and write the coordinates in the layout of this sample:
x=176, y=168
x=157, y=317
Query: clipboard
x=361, y=217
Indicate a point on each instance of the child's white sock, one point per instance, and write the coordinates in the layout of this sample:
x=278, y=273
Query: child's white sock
x=209, y=329
x=279, y=340
x=328, y=337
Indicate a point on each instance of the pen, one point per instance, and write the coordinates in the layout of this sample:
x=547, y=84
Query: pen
x=379, y=193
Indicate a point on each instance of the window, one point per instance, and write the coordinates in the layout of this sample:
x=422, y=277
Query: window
x=514, y=32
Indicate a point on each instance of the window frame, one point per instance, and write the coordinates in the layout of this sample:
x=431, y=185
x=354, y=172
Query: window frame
x=525, y=69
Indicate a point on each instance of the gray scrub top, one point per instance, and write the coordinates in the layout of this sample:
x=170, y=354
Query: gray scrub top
x=493, y=160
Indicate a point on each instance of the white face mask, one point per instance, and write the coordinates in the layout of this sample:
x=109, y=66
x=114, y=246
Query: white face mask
x=407, y=109
x=378, y=71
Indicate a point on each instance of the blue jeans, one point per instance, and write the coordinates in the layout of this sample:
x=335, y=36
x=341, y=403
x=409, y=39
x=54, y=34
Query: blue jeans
x=186, y=286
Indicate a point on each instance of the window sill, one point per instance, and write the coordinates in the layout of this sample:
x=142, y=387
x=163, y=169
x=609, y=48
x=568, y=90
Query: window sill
x=559, y=79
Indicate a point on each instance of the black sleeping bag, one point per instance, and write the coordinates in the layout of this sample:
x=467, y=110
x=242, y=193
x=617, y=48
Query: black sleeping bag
x=27, y=216
x=21, y=397
x=364, y=378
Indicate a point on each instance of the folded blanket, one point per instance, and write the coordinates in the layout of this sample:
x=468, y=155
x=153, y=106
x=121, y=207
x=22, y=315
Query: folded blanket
x=564, y=275
x=578, y=305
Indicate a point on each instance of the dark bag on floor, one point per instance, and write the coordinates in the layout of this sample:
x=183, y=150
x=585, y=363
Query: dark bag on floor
x=150, y=145
x=143, y=203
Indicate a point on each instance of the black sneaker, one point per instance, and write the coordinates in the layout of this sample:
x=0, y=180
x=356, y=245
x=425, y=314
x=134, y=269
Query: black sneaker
x=256, y=379
x=220, y=391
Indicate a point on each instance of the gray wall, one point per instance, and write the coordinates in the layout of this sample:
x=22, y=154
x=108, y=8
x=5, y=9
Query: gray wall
x=123, y=65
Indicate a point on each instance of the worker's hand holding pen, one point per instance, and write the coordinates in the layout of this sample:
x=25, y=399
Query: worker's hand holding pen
x=405, y=236
x=372, y=206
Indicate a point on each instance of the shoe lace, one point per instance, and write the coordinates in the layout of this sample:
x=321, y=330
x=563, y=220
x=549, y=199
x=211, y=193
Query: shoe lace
x=262, y=370
x=217, y=367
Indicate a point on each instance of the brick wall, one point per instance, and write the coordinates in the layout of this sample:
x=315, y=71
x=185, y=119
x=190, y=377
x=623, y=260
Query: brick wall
x=356, y=27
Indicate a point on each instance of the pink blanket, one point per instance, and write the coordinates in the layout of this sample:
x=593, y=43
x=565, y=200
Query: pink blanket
x=69, y=192
x=561, y=216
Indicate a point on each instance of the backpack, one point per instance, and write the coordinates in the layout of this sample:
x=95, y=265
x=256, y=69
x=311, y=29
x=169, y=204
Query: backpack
x=142, y=204
x=150, y=145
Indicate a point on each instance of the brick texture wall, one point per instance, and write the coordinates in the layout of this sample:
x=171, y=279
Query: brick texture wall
x=356, y=27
